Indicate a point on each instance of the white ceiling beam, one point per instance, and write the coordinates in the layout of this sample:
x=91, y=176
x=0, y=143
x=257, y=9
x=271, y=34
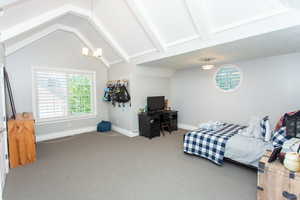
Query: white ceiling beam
x=51, y=15
x=51, y=29
x=148, y=27
x=201, y=23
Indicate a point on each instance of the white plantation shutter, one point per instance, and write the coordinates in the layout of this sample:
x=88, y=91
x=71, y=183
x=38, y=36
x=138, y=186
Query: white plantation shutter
x=51, y=94
x=63, y=94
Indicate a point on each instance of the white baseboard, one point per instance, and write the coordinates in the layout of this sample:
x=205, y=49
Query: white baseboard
x=125, y=131
x=187, y=127
x=51, y=136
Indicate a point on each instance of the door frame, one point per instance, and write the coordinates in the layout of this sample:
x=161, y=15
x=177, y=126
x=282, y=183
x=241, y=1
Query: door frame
x=4, y=135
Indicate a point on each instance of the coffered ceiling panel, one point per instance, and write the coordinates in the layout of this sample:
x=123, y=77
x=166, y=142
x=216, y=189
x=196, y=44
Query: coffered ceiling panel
x=123, y=26
x=170, y=17
x=230, y=12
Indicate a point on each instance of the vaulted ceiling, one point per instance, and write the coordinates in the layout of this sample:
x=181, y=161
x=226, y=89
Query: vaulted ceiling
x=141, y=31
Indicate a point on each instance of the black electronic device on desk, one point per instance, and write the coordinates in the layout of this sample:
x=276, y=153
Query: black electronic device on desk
x=150, y=122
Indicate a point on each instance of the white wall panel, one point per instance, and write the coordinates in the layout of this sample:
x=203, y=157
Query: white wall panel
x=118, y=19
x=170, y=17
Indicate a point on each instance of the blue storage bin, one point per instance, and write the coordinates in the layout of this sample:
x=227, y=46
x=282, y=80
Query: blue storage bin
x=104, y=126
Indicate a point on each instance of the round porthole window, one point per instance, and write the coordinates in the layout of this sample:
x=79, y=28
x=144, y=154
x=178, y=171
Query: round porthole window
x=228, y=78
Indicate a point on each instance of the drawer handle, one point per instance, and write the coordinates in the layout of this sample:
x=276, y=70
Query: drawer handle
x=289, y=196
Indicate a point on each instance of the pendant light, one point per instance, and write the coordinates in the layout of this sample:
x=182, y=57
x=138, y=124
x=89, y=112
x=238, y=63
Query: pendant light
x=85, y=50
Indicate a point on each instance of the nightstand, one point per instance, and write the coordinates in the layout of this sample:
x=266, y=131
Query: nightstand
x=275, y=182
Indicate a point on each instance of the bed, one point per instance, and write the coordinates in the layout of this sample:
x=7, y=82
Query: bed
x=226, y=142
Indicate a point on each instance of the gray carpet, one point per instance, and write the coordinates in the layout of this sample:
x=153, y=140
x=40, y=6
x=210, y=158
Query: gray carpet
x=113, y=167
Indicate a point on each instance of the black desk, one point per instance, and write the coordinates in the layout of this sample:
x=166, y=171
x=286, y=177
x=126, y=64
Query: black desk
x=150, y=122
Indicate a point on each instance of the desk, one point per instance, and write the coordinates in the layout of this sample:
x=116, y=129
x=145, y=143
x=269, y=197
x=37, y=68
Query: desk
x=150, y=122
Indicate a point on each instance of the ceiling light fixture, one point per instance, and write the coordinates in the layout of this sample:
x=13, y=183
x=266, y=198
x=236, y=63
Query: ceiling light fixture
x=85, y=50
x=207, y=66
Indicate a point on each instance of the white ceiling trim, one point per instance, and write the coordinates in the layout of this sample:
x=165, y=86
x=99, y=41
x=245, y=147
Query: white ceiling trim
x=147, y=25
x=202, y=26
x=251, y=20
x=33, y=23
x=182, y=41
x=143, y=53
x=192, y=18
x=49, y=16
x=19, y=45
x=116, y=62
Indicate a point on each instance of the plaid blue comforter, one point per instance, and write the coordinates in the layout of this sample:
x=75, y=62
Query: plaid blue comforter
x=210, y=144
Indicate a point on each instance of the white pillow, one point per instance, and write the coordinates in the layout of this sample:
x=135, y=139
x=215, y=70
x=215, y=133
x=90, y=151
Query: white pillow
x=268, y=136
x=248, y=132
x=254, y=126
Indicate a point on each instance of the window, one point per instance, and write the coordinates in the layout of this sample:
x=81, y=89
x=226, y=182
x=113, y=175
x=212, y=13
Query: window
x=228, y=78
x=63, y=94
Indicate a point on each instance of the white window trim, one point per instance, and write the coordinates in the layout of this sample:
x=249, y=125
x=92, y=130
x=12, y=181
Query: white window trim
x=68, y=118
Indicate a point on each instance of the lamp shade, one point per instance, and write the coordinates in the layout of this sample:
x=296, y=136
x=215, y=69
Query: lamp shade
x=85, y=51
x=98, y=53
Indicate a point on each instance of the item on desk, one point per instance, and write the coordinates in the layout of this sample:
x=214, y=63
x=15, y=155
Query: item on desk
x=141, y=110
x=166, y=104
x=292, y=161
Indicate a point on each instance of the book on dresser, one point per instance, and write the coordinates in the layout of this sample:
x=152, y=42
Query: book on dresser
x=275, y=182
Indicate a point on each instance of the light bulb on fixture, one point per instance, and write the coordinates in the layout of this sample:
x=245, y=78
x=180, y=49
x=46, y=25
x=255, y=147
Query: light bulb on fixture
x=98, y=53
x=207, y=67
x=85, y=51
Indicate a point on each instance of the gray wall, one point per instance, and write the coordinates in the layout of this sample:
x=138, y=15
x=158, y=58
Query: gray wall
x=121, y=117
x=2, y=53
x=143, y=81
x=270, y=87
x=58, y=50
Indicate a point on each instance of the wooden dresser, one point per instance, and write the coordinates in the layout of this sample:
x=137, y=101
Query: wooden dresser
x=275, y=182
x=21, y=140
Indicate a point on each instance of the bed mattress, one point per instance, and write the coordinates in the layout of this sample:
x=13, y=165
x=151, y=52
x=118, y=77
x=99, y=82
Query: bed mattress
x=246, y=150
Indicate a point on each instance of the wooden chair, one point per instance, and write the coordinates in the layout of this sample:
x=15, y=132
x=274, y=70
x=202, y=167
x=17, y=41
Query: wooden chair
x=163, y=127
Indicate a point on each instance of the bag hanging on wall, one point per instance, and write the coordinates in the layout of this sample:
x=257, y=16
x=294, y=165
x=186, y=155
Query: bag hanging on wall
x=117, y=93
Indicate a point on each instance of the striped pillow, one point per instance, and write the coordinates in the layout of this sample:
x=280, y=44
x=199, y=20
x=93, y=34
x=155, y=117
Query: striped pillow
x=265, y=129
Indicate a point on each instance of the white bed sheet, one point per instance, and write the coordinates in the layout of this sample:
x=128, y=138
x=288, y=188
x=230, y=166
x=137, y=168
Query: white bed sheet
x=246, y=150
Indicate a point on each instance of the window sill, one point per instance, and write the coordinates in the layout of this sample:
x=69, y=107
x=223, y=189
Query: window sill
x=61, y=120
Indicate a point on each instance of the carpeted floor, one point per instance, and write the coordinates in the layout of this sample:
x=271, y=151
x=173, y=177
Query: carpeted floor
x=113, y=167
